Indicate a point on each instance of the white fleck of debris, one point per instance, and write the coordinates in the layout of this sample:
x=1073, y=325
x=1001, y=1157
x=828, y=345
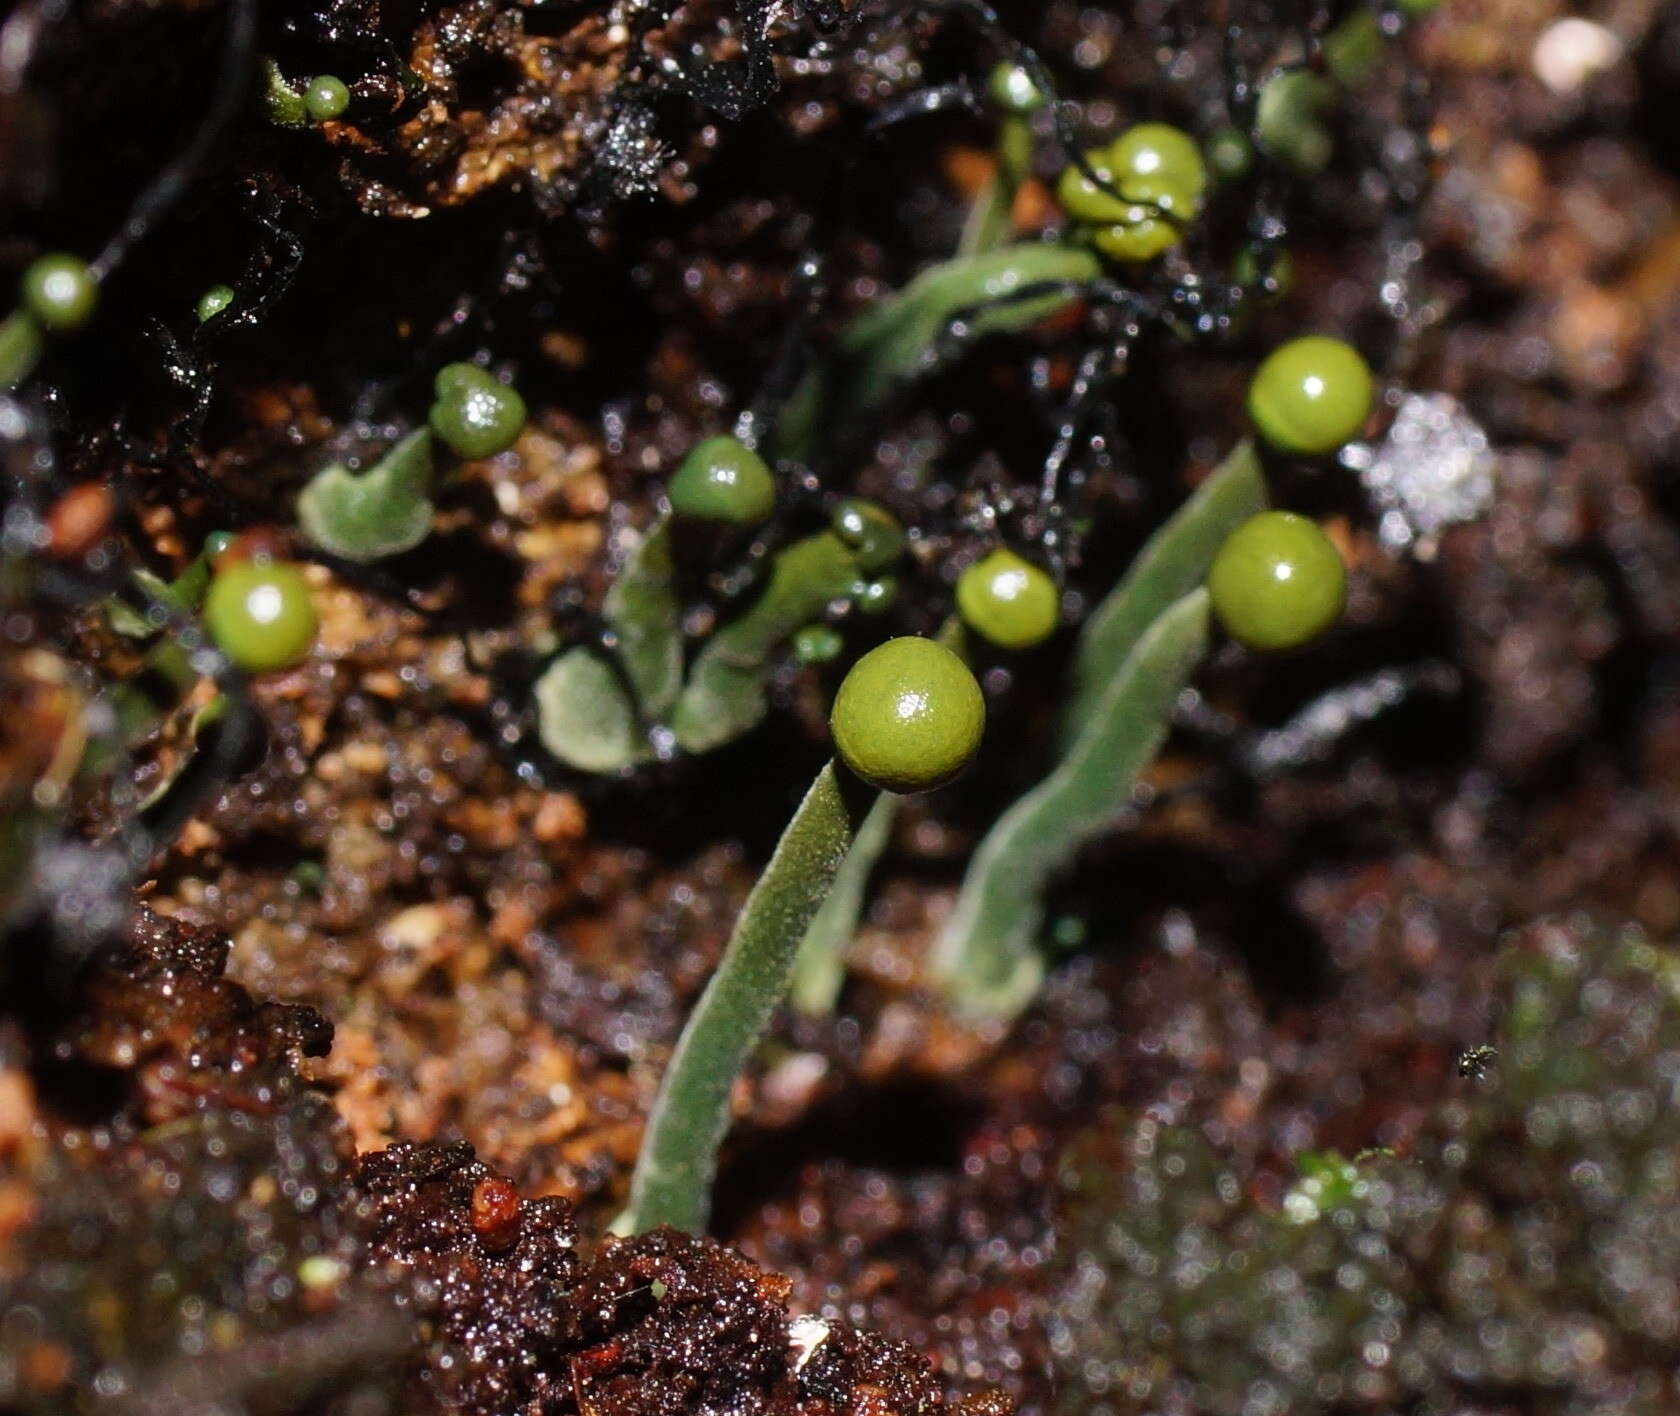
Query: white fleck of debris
x=1572, y=51
x=1433, y=470
x=805, y=1336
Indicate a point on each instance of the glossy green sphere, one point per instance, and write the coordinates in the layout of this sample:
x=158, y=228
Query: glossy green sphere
x=326, y=98
x=908, y=716
x=1311, y=395
x=817, y=644
x=213, y=301
x=1160, y=154
x=873, y=533
x=475, y=414
x=1012, y=88
x=722, y=479
x=1008, y=600
x=260, y=614
x=59, y=291
x=1277, y=582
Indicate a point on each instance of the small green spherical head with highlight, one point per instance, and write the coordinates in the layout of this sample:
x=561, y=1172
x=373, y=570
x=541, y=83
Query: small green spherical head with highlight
x=326, y=98
x=873, y=533
x=475, y=414
x=1277, y=582
x=908, y=716
x=1311, y=395
x=260, y=614
x=723, y=479
x=59, y=291
x=1013, y=90
x=1008, y=600
x=1162, y=155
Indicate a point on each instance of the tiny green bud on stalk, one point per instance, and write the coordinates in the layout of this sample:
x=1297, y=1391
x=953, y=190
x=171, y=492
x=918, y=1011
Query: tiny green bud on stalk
x=874, y=597
x=871, y=531
x=817, y=644
x=909, y=716
x=1012, y=88
x=260, y=614
x=1277, y=582
x=722, y=479
x=59, y=291
x=213, y=301
x=1008, y=600
x=1311, y=395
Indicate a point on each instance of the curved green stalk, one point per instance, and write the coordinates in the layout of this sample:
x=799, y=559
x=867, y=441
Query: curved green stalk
x=820, y=967
x=904, y=335
x=678, y=1159
x=1170, y=566
x=988, y=955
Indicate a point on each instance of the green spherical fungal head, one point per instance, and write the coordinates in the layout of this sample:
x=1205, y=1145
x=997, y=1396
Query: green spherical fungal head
x=260, y=614
x=326, y=98
x=1160, y=154
x=475, y=415
x=1012, y=88
x=213, y=301
x=908, y=716
x=1008, y=600
x=723, y=479
x=1311, y=395
x=1277, y=582
x=873, y=533
x=817, y=644
x=59, y=291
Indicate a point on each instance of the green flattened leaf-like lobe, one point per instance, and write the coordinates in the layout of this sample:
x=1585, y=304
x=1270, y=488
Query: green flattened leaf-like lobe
x=988, y=954
x=902, y=336
x=678, y=1159
x=585, y=716
x=641, y=609
x=725, y=694
x=1174, y=562
x=369, y=515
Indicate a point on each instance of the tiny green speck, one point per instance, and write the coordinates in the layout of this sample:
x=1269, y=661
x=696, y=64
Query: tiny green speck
x=909, y=716
x=1277, y=582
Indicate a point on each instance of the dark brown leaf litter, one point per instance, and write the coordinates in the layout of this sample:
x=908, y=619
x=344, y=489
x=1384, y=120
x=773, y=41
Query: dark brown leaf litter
x=208, y=1241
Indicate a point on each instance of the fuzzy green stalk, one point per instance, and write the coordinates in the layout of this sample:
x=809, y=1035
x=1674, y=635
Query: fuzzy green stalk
x=677, y=1163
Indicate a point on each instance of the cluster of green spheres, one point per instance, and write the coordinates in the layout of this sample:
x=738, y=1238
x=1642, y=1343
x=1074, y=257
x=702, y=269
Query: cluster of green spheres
x=475, y=414
x=1158, y=177
x=1311, y=395
x=1007, y=599
x=909, y=716
x=722, y=479
x=59, y=291
x=1277, y=582
x=260, y=614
